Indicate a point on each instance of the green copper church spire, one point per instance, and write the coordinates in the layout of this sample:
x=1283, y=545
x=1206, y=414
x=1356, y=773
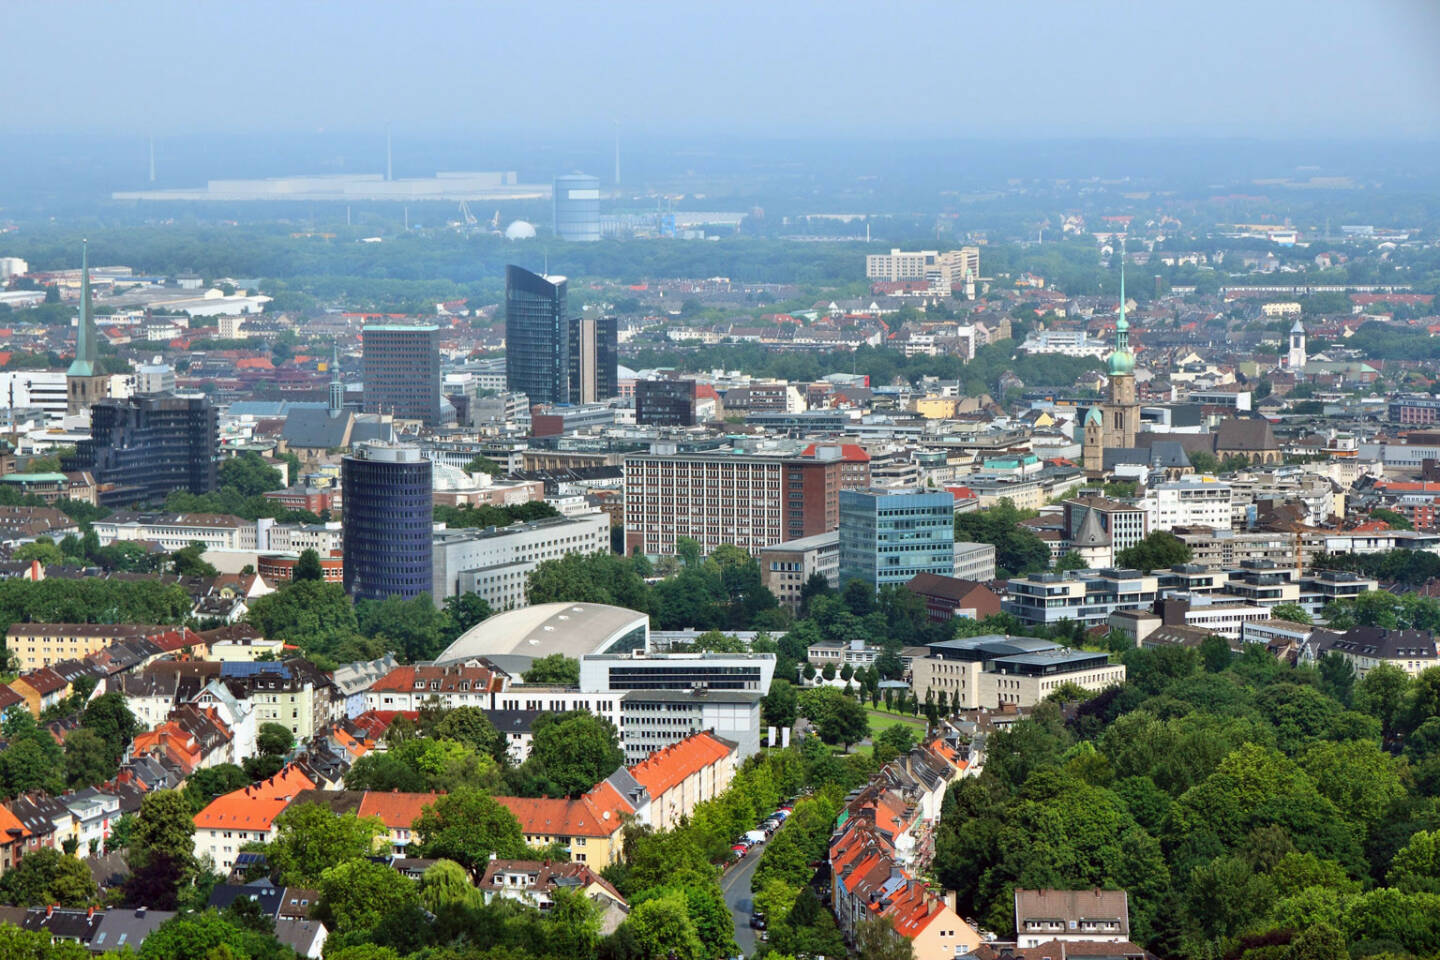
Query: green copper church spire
x=1122, y=361
x=84, y=365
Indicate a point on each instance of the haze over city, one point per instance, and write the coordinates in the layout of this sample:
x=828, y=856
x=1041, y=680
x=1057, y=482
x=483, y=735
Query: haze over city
x=790, y=481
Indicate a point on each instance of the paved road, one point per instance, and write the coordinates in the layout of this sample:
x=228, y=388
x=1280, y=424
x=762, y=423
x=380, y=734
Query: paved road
x=736, y=887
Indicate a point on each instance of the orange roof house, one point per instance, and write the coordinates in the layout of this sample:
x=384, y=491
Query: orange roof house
x=229, y=822
x=684, y=774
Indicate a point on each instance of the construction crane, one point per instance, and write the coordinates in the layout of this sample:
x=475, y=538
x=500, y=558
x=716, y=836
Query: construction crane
x=466, y=215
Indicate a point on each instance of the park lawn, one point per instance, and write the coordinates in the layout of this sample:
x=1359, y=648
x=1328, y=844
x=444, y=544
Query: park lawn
x=881, y=720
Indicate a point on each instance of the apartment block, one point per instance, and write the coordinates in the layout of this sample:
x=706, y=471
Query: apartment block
x=721, y=497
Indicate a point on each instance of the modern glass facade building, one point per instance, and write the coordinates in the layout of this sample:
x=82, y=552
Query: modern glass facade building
x=537, y=337
x=388, y=518
x=890, y=536
x=577, y=207
x=145, y=447
x=402, y=371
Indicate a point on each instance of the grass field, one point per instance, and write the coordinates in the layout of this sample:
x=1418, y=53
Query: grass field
x=883, y=720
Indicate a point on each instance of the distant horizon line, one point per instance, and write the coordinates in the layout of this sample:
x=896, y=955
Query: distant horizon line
x=683, y=141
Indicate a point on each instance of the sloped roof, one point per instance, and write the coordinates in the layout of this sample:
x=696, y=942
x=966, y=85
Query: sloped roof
x=672, y=764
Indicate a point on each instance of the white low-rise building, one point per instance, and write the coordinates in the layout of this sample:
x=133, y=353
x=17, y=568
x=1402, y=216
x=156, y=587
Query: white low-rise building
x=495, y=563
x=1193, y=502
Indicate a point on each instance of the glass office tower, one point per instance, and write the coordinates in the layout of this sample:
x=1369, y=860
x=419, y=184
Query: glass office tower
x=537, y=336
x=890, y=536
x=388, y=518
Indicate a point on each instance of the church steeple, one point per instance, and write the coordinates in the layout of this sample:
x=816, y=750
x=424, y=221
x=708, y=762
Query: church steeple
x=84, y=365
x=337, y=388
x=1122, y=361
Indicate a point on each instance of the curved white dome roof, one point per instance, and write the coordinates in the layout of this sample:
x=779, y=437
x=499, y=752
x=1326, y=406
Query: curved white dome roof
x=520, y=230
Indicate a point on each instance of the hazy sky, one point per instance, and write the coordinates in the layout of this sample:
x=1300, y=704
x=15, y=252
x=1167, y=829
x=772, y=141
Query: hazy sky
x=918, y=69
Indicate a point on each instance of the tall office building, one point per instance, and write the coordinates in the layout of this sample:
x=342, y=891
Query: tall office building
x=537, y=336
x=594, y=359
x=388, y=519
x=665, y=403
x=890, y=536
x=84, y=382
x=402, y=371
x=145, y=447
x=577, y=207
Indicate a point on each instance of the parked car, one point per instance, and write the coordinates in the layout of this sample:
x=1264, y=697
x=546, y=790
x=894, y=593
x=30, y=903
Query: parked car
x=757, y=920
x=740, y=850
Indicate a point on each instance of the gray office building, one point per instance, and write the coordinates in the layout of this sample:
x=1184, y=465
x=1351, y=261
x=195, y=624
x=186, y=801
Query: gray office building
x=402, y=371
x=577, y=207
x=537, y=336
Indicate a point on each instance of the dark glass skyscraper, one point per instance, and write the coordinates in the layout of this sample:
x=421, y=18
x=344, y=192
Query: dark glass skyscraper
x=537, y=336
x=402, y=371
x=388, y=517
x=146, y=447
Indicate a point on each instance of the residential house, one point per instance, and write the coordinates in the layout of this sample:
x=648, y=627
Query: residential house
x=949, y=597
x=40, y=689
x=535, y=882
x=122, y=929
x=450, y=686
x=1071, y=915
x=684, y=774
x=230, y=821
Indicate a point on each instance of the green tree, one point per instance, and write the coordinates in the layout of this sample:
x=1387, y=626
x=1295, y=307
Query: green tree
x=109, y=717
x=88, y=759
x=274, y=739
x=472, y=727
x=483, y=465
x=467, y=827
x=1018, y=549
x=311, y=837
x=1215, y=653
x=778, y=708
x=1382, y=693
x=48, y=876
x=1395, y=521
x=1070, y=560
x=556, y=669
x=188, y=562
x=576, y=749
x=248, y=474
x=1290, y=611
x=593, y=578
x=445, y=883
x=1160, y=550
x=21, y=944
x=876, y=939
x=162, y=854
x=308, y=567
x=43, y=550
x=661, y=929
x=207, y=783
x=1416, y=867
x=356, y=895
x=317, y=617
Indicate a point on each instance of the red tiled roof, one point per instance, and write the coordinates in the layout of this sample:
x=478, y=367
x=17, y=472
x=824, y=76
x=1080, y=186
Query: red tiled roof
x=672, y=765
x=396, y=810
x=256, y=806
x=548, y=817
